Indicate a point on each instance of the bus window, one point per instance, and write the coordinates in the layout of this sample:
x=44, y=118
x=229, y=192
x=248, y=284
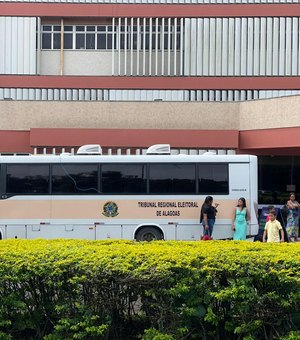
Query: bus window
x=75, y=179
x=213, y=179
x=172, y=178
x=27, y=179
x=124, y=179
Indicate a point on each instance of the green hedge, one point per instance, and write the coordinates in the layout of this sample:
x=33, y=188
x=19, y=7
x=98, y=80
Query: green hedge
x=67, y=289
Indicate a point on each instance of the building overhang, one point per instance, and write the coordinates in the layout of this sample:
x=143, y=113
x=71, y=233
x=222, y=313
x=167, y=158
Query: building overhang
x=278, y=141
x=283, y=141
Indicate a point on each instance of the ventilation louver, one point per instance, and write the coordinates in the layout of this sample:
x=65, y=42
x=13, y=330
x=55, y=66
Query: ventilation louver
x=90, y=149
x=159, y=149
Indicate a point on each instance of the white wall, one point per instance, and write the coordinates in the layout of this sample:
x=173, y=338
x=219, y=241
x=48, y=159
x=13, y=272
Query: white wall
x=17, y=45
x=242, y=46
x=76, y=62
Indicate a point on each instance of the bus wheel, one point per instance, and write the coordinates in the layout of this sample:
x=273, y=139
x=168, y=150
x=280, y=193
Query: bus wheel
x=148, y=234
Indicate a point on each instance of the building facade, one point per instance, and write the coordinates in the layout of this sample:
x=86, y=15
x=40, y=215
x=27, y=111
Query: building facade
x=219, y=75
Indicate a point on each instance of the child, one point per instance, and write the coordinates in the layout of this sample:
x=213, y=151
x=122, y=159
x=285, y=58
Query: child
x=272, y=229
x=270, y=208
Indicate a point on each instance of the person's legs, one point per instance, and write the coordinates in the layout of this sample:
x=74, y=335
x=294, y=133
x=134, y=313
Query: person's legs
x=297, y=229
x=289, y=229
x=205, y=232
x=211, y=223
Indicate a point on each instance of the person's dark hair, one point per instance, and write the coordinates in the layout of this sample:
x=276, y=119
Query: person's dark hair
x=271, y=207
x=243, y=200
x=292, y=193
x=208, y=200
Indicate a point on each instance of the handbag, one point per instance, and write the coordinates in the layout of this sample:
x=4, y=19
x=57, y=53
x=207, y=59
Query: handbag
x=206, y=237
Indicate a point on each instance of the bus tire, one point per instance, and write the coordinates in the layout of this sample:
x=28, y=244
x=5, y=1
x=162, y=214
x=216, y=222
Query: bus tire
x=149, y=234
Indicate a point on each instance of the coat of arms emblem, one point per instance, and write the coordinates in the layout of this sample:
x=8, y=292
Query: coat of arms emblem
x=110, y=209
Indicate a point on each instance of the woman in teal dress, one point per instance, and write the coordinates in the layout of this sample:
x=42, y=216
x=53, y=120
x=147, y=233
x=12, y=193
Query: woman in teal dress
x=239, y=220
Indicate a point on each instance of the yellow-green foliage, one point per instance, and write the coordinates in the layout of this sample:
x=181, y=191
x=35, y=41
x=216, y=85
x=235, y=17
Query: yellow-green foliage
x=70, y=289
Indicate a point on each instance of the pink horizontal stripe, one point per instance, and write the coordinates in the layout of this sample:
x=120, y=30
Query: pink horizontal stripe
x=15, y=141
x=149, y=10
x=124, y=138
x=160, y=83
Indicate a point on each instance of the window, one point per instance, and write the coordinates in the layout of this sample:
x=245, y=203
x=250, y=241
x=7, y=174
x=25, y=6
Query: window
x=213, y=178
x=170, y=38
x=104, y=38
x=172, y=178
x=277, y=177
x=124, y=178
x=75, y=179
x=27, y=179
x=100, y=37
x=51, y=37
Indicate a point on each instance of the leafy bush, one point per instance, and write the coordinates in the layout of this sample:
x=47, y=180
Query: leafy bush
x=67, y=289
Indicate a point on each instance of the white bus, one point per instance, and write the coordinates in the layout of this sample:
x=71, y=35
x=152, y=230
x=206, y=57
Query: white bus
x=135, y=197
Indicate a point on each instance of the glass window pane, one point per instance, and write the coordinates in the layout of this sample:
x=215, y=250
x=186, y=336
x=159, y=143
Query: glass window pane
x=122, y=41
x=109, y=42
x=75, y=179
x=172, y=178
x=56, y=41
x=27, y=179
x=68, y=28
x=80, y=28
x=91, y=28
x=80, y=41
x=154, y=42
x=213, y=178
x=178, y=41
x=68, y=41
x=46, y=41
x=101, y=28
x=147, y=41
x=124, y=178
x=46, y=28
x=101, y=41
x=166, y=40
x=135, y=41
x=90, y=41
x=56, y=28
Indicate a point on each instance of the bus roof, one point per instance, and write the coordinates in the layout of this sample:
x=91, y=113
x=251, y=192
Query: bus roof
x=180, y=158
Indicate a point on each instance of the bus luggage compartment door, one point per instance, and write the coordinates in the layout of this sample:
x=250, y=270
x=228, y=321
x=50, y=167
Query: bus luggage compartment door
x=185, y=232
x=107, y=231
x=14, y=231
